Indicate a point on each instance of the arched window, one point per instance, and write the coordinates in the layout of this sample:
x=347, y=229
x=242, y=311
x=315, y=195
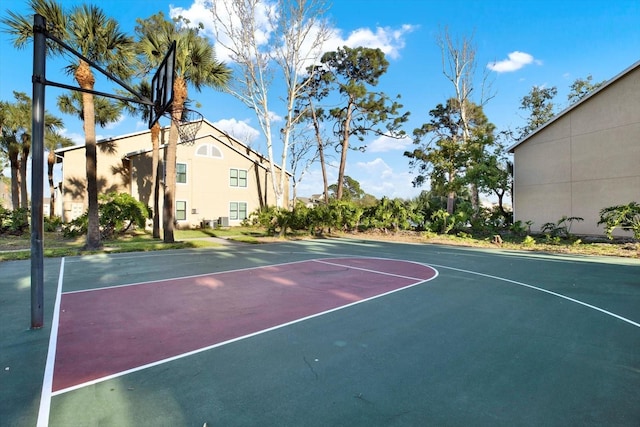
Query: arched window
x=209, y=150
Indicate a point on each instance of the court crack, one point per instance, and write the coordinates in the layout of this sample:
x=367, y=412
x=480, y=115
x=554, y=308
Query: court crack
x=310, y=367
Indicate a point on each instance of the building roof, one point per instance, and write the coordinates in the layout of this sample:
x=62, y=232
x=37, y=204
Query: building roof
x=576, y=105
x=230, y=142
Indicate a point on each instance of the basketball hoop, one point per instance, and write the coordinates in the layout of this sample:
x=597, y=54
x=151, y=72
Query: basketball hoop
x=188, y=125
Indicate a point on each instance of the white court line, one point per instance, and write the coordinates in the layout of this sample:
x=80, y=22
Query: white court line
x=546, y=291
x=47, y=382
x=253, y=334
x=373, y=271
x=184, y=277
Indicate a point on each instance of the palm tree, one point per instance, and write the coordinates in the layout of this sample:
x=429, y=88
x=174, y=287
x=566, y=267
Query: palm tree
x=88, y=30
x=195, y=64
x=24, y=121
x=52, y=141
x=11, y=148
x=21, y=121
x=144, y=88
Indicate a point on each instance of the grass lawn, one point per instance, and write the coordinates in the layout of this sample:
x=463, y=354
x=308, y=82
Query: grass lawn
x=55, y=245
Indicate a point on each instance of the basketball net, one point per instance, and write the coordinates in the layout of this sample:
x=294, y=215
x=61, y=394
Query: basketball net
x=188, y=124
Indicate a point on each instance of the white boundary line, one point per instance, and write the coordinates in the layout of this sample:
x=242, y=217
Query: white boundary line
x=103, y=288
x=320, y=261
x=546, y=291
x=273, y=328
x=47, y=382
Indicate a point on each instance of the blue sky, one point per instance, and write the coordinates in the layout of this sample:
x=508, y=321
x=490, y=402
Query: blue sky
x=520, y=43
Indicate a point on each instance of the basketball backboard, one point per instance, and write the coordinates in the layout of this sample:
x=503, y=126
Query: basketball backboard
x=162, y=86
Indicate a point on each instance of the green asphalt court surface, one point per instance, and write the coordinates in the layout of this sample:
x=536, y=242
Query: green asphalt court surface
x=497, y=338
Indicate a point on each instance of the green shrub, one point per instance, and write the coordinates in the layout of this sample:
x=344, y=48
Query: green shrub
x=560, y=229
x=52, y=224
x=118, y=213
x=626, y=217
x=464, y=235
x=15, y=222
x=76, y=227
x=4, y=219
x=520, y=229
x=528, y=242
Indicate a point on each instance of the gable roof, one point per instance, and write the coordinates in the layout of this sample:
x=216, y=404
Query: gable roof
x=228, y=140
x=576, y=105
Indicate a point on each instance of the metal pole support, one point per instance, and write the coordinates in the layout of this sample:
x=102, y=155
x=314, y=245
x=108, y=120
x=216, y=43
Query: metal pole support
x=37, y=173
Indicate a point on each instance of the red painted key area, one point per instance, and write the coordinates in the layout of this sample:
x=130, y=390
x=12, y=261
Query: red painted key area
x=107, y=331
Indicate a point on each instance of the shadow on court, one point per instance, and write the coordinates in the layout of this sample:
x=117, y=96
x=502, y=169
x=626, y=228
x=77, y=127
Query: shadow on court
x=497, y=338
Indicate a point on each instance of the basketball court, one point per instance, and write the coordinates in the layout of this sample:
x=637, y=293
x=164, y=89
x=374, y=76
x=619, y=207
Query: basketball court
x=324, y=332
x=313, y=333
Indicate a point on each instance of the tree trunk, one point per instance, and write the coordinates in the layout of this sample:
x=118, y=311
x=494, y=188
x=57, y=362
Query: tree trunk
x=345, y=148
x=272, y=167
x=155, y=182
x=451, y=198
x=475, y=199
x=51, y=160
x=451, y=195
x=24, y=194
x=86, y=80
x=323, y=165
x=15, y=179
x=179, y=97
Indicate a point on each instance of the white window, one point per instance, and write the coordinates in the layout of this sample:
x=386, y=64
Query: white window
x=181, y=173
x=238, y=178
x=209, y=150
x=237, y=211
x=181, y=210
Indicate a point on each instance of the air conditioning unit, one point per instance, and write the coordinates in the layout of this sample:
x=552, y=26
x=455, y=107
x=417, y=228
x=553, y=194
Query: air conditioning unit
x=208, y=223
x=223, y=221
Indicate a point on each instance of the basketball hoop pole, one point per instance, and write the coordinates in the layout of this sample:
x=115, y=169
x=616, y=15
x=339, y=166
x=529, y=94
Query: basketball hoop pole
x=37, y=173
x=40, y=36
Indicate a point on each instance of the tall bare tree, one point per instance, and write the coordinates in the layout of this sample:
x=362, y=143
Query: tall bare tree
x=459, y=67
x=317, y=89
x=288, y=33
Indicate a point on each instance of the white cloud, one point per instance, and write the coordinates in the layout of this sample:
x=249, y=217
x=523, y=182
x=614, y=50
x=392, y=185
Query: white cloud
x=383, y=144
x=77, y=138
x=378, y=178
x=113, y=125
x=514, y=62
x=388, y=40
x=200, y=12
x=311, y=182
x=240, y=130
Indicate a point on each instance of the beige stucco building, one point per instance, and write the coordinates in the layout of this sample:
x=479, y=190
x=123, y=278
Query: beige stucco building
x=5, y=195
x=218, y=178
x=584, y=159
